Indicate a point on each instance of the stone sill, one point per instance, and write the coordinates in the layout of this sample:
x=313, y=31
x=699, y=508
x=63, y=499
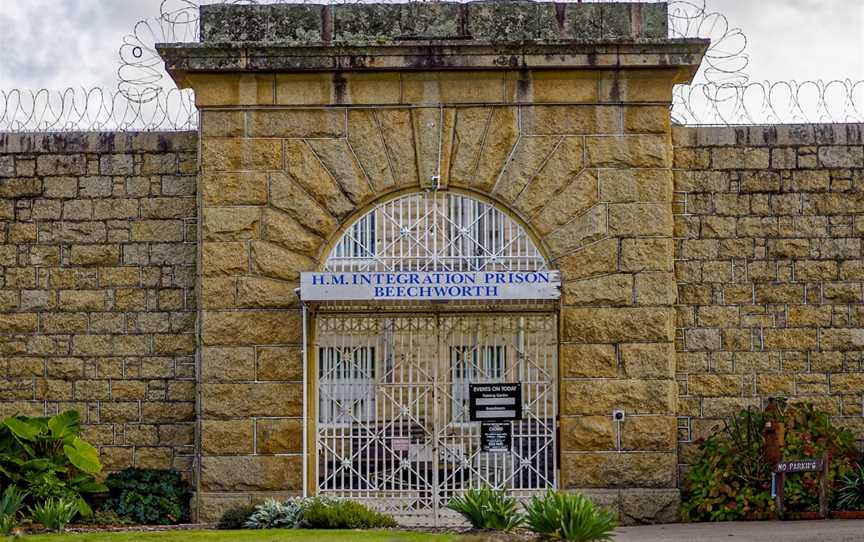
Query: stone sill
x=684, y=54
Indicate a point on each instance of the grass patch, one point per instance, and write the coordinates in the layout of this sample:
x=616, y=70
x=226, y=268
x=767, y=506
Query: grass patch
x=266, y=535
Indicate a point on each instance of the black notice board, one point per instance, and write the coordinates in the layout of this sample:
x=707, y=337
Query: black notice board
x=496, y=436
x=493, y=402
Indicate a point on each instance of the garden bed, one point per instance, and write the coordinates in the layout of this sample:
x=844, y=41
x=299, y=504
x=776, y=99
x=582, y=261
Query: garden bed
x=194, y=533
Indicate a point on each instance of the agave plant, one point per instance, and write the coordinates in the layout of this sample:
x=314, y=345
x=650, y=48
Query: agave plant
x=54, y=514
x=487, y=508
x=11, y=501
x=569, y=516
x=850, y=496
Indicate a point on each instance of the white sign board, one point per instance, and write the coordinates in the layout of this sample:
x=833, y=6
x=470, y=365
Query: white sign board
x=429, y=286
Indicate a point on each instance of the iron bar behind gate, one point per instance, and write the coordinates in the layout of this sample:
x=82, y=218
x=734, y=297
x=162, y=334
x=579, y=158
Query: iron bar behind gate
x=393, y=429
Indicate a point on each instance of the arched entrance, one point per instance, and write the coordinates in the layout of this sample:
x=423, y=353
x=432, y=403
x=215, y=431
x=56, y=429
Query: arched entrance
x=420, y=302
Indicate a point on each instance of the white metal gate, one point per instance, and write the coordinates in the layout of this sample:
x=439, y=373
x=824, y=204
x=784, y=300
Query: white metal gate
x=391, y=406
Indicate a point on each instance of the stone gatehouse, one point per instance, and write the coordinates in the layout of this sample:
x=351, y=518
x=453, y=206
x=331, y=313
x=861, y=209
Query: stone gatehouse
x=151, y=280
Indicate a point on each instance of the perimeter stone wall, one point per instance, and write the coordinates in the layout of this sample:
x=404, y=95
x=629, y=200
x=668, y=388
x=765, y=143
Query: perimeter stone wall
x=735, y=269
x=769, y=269
x=97, y=297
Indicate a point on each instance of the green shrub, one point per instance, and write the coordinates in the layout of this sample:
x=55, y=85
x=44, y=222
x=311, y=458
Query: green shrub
x=338, y=514
x=11, y=501
x=47, y=459
x=732, y=481
x=235, y=518
x=273, y=514
x=149, y=496
x=850, y=495
x=486, y=508
x=7, y=525
x=569, y=516
x=54, y=514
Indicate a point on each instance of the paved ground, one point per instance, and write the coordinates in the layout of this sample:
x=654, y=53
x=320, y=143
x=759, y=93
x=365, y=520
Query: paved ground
x=762, y=531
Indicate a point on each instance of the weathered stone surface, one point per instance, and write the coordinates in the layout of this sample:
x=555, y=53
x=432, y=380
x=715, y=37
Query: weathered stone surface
x=588, y=433
x=238, y=400
x=577, y=197
x=218, y=363
x=343, y=166
x=251, y=473
x=588, y=360
x=650, y=506
x=231, y=154
x=224, y=258
x=285, y=230
x=648, y=360
x=289, y=196
x=561, y=170
x=606, y=290
x=624, y=324
x=278, y=436
x=616, y=469
x=453, y=87
x=501, y=135
x=276, y=262
x=595, y=259
x=238, y=188
x=571, y=119
x=398, y=132
x=598, y=397
x=468, y=136
x=646, y=255
x=649, y=433
x=231, y=223
x=227, y=436
x=640, y=219
x=525, y=162
x=297, y=123
x=636, y=185
x=251, y=327
x=254, y=292
x=306, y=169
x=629, y=151
x=433, y=137
x=365, y=137
x=280, y=363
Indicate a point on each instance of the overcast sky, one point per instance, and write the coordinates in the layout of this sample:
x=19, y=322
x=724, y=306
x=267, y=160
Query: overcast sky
x=62, y=43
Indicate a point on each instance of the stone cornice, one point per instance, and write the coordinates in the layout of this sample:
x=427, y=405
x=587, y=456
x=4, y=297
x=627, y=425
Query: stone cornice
x=682, y=54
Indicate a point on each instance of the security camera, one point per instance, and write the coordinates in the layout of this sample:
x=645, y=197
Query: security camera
x=618, y=415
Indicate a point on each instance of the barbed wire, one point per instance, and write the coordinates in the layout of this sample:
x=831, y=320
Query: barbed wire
x=145, y=98
x=766, y=102
x=97, y=109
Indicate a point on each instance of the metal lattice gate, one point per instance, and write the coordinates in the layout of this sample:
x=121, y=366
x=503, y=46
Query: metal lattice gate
x=392, y=408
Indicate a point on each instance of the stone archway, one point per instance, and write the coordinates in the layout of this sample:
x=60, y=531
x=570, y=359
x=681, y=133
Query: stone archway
x=572, y=136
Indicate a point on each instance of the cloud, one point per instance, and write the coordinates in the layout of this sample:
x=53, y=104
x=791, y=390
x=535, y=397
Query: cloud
x=75, y=43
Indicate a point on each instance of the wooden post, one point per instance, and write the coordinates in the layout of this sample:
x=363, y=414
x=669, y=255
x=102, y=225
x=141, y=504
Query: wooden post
x=823, y=490
x=801, y=465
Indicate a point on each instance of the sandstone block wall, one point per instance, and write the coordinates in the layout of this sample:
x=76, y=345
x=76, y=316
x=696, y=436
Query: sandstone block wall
x=97, y=297
x=769, y=268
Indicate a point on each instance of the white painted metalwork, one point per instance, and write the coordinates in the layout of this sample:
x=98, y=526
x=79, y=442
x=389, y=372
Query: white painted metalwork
x=435, y=231
x=391, y=396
